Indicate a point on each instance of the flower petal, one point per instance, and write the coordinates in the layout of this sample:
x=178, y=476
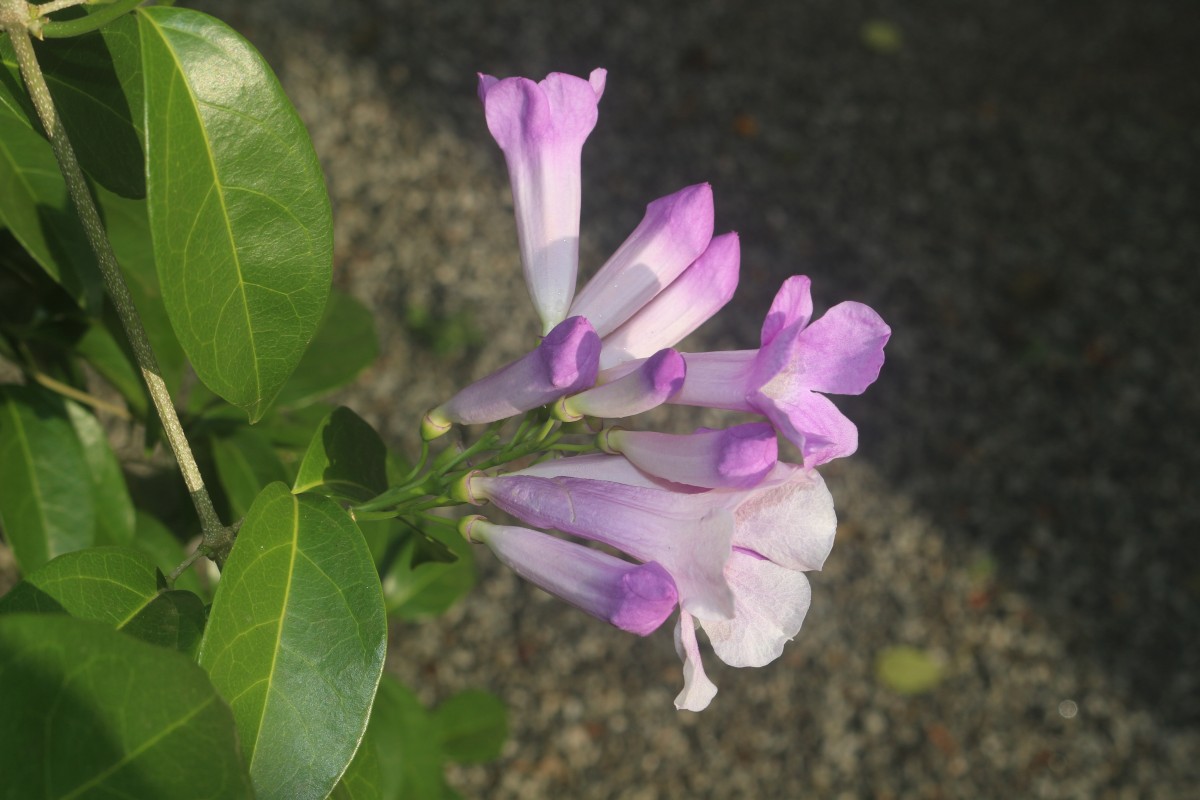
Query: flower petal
x=789, y=518
x=770, y=603
x=700, y=292
x=675, y=230
x=842, y=352
x=811, y=422
x=541, y=127
x=792, y=307
x=698, y=690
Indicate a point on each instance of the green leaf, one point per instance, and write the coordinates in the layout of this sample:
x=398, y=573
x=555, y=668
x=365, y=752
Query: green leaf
x=420, y=583
x=114, y=717
x=344, y=346
x=296, y=640
x=410, y=756
x=363, y=779
x=35, y=206
x=128, y=226
x=103, y=584
x=46, y=504
x=96, y=84
x=346, y=459
x=173, y=619
x=153, y=539
x=907, y=670
x=114, y=508
x=246, y=463
x=238, y=208
x=99, y=348
x=471, y=726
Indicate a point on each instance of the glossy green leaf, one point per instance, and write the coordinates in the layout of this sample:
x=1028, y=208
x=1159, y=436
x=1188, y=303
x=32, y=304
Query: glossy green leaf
x=238, y=208
x=103, y=584
x=344, y=346
x=114, y=717
x=46, y=504
x=114, y=508
x=246, y=463
x=907, y=670
x=421, y=583
x=35, y=206
x=296, y=640
x=346, y=459
x=128, y=226
x=405, y=737
x=471, y=726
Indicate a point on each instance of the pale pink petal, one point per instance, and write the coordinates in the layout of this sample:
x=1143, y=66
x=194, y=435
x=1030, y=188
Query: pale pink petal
x=770, y=604
x=698, y=690
x=811, y=422
x=675, y=230
x=842, y=352
x=700, y=292
x=604, y=467
x=789, y=518
x=792, y=307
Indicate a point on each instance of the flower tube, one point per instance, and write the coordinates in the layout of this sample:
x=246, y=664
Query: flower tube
x=634, y=597
x=655, y=381
x=541, y=127
x=737, y=457
x=564, y=362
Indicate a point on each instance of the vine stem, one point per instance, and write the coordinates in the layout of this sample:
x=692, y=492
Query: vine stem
x=14, y=19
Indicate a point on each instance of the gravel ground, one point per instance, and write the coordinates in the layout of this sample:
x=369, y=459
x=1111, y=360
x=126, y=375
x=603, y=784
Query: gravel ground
x=1013, y=185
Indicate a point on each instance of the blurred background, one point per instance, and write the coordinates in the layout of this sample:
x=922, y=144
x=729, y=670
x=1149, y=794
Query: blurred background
x=1011, y=608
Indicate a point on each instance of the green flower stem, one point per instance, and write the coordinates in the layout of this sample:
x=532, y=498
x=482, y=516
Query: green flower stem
x=57, y=5
x=93, y=21
x=14, y=19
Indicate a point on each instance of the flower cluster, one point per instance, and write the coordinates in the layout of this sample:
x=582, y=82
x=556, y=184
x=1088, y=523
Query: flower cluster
x=712, y=524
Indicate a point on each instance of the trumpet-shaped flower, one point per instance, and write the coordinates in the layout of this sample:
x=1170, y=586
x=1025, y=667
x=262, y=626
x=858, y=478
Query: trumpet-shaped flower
x=691, y=541
x=634, y=597
x=541, y=127
x=565, y=361
x=840, y=353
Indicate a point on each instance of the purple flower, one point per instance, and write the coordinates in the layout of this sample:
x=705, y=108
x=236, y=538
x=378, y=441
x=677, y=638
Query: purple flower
x=840, y=353
x=782, y=528
x=564, y=362
x=656, y=380
x=674, y=232
x=541, y=127
x=692, y=541
x=634, y=597
x=737, y=457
